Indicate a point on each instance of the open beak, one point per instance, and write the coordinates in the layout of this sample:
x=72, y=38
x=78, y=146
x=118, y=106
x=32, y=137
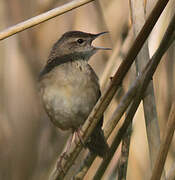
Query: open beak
x=97, y=35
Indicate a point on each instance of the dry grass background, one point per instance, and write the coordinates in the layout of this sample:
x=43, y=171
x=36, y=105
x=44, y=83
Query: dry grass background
x=28, y=140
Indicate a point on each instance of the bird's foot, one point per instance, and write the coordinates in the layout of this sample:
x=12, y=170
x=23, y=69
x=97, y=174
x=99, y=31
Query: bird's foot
x=59, y=162
x=78, y=134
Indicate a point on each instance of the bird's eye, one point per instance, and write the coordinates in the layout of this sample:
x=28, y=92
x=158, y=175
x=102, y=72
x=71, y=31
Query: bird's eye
x=80, y=41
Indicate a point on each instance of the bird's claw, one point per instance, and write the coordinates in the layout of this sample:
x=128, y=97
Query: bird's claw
x=78, y=134
x=59, y=162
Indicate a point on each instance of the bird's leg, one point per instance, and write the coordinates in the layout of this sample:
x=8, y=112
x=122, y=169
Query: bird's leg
x=59, y=162
x=68, y=144
x=74, y=135
x=78, y=135
x=64, y=154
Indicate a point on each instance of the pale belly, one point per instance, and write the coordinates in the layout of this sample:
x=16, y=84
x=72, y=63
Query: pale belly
x=69, y=104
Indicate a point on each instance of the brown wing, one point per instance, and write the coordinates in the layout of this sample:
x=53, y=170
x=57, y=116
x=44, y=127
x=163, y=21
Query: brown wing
x=96, y=142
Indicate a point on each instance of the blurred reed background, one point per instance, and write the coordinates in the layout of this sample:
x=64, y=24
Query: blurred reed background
x=28, y=140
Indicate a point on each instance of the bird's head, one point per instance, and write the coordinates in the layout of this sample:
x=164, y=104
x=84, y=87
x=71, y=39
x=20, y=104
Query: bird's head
x=76, y=44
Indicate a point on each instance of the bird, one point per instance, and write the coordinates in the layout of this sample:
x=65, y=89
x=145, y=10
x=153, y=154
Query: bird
x=69, y=87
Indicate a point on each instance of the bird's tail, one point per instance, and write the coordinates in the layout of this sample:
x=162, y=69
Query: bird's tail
x=97, y=143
